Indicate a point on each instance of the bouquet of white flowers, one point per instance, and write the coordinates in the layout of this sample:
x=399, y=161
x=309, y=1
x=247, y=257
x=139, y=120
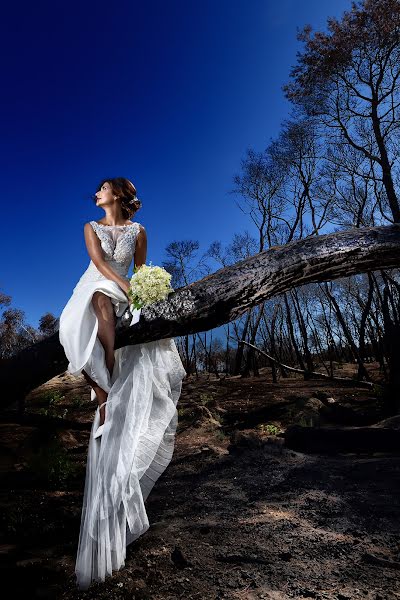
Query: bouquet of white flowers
x=149, y=284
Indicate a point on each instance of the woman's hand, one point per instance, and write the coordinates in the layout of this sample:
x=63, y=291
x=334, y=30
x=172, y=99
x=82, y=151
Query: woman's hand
x=125, y=285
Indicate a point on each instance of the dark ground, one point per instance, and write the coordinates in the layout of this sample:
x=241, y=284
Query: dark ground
x=233, y=516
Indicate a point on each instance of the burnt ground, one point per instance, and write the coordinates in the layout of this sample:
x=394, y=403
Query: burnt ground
x=236, y=515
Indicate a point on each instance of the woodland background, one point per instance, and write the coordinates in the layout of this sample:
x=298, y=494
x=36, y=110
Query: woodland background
x=284, y=483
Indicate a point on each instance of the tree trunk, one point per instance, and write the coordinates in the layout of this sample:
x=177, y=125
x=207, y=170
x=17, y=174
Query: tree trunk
x=384, y=162
x=291, y=333
x=221, y=297
x=303, y=331
x=364, y=315
x=392, y=351
x=355, y=351
x=251, y=359
x=240, y=348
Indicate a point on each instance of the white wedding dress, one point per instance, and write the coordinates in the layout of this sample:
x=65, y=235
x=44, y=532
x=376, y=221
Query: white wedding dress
x=137, y=443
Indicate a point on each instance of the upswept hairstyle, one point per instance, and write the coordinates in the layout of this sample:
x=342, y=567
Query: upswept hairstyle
x=126, y=192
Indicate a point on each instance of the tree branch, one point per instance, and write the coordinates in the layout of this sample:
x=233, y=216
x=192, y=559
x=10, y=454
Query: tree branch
x=222, y=297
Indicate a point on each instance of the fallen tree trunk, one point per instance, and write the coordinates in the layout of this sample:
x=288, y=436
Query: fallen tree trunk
x=43, y=422
x=333, y=440
x=222, y=297
x=311, y=374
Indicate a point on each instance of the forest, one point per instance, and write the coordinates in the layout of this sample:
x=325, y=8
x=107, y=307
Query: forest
x=290, y=337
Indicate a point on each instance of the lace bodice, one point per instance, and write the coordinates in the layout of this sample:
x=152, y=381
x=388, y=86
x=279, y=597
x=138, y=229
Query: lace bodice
x=118, y=244
x=117, y=241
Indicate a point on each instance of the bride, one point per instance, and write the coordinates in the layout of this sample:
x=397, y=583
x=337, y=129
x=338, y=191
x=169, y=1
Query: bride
x=136, y=387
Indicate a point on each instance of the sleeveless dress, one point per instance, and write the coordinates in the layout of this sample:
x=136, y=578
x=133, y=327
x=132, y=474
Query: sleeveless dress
x=138, y=439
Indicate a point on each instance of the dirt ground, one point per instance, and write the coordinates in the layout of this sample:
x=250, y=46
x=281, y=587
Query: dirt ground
x=236, y=515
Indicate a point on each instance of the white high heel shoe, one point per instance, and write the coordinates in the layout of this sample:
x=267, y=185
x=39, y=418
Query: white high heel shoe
x=99, y=430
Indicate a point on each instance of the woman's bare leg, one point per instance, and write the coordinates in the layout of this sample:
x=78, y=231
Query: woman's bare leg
x=106, y=333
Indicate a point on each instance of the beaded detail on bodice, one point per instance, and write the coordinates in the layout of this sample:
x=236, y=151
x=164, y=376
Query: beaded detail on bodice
x=117, y=241
x=118, y=244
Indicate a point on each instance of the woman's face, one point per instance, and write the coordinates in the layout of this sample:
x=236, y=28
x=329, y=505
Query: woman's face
x=104, y=195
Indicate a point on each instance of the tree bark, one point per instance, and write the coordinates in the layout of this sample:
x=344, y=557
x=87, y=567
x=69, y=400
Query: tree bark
x=221, y=297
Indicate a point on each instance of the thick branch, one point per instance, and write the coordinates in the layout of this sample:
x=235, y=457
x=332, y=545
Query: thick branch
x=222, y=297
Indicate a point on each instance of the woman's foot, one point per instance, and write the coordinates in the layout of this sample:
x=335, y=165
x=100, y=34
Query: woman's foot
x=102, y=411
x=99, y=430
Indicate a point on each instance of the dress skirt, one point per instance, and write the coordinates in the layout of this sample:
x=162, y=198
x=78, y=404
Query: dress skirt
x=137, y=443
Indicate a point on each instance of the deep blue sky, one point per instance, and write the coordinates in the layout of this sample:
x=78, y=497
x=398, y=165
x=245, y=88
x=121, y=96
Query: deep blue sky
x=168, y=94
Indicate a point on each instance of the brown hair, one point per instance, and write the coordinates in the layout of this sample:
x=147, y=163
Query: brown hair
x=126, y=192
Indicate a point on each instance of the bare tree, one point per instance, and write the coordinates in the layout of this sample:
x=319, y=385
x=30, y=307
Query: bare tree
x=348, y=79
x=48, y=324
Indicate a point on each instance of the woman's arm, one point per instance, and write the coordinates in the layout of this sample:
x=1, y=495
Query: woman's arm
x=95, y=251
x=140, y=247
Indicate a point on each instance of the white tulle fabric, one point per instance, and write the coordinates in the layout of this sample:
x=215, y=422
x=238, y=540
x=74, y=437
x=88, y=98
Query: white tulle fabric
x=141, y=416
